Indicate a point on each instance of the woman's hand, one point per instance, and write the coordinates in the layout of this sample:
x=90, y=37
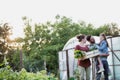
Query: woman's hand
x=81, y=59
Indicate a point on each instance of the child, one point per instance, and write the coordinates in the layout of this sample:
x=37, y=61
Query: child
x=93, y=46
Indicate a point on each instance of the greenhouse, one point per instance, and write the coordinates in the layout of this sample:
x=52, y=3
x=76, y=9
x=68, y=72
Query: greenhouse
x=67, y=62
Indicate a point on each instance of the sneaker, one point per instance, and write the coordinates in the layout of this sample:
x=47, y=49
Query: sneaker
x=101, y=70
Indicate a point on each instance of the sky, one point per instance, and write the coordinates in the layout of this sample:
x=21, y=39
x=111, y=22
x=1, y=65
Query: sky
x=96, y=12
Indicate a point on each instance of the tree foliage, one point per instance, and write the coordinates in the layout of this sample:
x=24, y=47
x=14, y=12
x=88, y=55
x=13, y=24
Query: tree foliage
x=5, y=32
x=43, y=41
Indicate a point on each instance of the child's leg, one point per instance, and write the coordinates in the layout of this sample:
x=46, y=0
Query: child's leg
x=101, y=69
x=99, y=61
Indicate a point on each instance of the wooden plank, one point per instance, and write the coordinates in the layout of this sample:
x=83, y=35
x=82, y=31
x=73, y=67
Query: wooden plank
x=90, y=54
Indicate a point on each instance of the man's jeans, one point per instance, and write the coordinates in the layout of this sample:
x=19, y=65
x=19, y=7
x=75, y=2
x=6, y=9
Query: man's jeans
x=106, y=70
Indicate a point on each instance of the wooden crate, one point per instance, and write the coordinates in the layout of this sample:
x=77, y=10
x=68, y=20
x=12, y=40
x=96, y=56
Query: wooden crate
x=90, y=54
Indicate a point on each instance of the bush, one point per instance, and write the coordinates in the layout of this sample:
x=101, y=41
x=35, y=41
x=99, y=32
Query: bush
x=8, y=74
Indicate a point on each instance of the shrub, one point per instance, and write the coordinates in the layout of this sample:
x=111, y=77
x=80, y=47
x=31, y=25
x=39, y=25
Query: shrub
x=8, y=74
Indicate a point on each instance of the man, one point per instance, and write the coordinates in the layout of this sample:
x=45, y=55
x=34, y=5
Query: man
x=91, y=40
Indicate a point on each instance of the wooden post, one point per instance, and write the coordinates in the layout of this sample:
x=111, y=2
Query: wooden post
x=93, y=69
x=67, y=62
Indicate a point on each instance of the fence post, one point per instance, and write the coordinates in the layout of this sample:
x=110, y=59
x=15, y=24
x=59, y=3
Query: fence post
x=113, y=60
x=67, y=62
x=93, y=69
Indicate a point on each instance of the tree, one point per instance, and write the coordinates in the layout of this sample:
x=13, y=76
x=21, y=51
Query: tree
x=109, y=29
x=5, y=32
x=35, y=39
x=43, y=41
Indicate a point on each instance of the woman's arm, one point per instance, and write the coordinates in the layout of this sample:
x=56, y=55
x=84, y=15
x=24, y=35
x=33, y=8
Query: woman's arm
x=102, y=46
x=104, y=54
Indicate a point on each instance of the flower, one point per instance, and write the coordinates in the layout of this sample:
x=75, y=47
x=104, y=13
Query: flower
x=78, y=54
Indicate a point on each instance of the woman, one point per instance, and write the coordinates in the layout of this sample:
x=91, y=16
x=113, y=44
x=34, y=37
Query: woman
x=103, y=49
x=84, y=65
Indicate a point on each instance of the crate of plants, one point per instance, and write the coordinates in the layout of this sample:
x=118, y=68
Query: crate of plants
x=78, y=54
x=81, y=55
x=91, y=54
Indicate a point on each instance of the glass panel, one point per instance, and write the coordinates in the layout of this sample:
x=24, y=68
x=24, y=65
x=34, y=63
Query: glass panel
x=116, y=46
